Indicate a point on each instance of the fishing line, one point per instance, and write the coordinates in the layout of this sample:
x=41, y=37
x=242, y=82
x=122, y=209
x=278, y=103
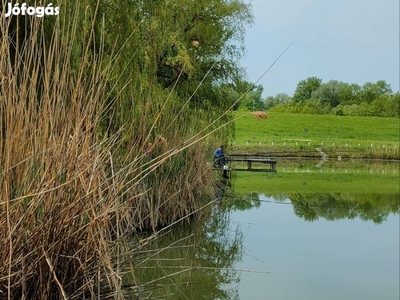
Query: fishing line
x=237, y=101
x=287, y=203
x=274, y=62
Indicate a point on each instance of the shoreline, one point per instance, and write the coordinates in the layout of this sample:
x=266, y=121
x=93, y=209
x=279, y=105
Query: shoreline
x=314, y=154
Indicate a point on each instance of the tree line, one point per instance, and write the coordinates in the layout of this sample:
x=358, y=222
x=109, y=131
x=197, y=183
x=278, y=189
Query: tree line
x=313, y=96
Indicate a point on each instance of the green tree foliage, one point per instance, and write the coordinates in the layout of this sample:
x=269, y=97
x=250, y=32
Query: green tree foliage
x=243, y=94
x=175, y=50
x=348, y=93
x=331, y=207
x=252, y=100
x=312, y=96
x=279, y=99
x=331, y=92
x=371, y=91
x=186, y=40
x=305, y=88
x=230, y=94
x=249, y=201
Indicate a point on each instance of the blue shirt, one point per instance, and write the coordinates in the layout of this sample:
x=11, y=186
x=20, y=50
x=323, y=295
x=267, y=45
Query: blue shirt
x=219, y=152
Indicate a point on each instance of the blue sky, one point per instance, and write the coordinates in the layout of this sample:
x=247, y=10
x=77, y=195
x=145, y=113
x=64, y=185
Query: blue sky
x=353, y=41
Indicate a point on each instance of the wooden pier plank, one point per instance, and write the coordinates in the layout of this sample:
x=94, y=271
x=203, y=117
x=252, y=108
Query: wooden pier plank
x=256, y=159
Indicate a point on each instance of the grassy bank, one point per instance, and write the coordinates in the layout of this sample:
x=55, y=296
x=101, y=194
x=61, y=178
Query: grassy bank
x=299, y=135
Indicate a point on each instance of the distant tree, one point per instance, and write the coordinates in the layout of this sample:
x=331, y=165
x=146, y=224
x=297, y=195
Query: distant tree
x=312, y=96
x=305, y=88
x=246, y=94
x=278, y=99
x=329, y=93
x=241, y=85
x=252, y=100
x=283, y=98
x=395, y=100
x=385, y=106
x=336, y=92
x=349, y=93
x=370, y=91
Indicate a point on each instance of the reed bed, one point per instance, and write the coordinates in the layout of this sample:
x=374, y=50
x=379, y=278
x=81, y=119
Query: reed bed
x=71, y=192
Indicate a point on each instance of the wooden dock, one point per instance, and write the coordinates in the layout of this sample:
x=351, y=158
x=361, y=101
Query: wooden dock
x=250, y=159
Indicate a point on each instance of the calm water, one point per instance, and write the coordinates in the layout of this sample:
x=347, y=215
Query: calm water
x=342, y=245
x=323, y=259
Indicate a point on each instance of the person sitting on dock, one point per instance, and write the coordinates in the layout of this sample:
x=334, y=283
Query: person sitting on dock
x=219, y=156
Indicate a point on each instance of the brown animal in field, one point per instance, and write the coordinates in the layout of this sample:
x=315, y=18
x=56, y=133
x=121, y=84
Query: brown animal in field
x=259, y=114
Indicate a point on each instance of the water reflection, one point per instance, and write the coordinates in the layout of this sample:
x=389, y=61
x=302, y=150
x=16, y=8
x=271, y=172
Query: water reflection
x=249, y=201
x=348, y=258
x=375, y=208
x=291, y=231
x=193, y=261
x=348, y=166
x=311, y=207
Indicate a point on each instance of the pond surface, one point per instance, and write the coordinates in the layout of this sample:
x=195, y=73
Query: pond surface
x=322, y=259
x=297, y=242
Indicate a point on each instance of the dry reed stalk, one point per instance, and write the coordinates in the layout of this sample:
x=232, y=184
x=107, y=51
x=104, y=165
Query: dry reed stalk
x=54, y=207
x=66, y=200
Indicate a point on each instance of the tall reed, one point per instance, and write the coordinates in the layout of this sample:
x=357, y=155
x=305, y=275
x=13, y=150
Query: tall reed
x=69, y=194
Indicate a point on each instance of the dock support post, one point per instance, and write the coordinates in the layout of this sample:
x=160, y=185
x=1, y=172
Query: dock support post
x=248, y=165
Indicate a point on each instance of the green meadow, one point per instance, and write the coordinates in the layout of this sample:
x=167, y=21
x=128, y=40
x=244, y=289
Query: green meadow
x=301, y=134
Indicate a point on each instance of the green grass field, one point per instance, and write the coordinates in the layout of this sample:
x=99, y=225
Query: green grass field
x=336, y=135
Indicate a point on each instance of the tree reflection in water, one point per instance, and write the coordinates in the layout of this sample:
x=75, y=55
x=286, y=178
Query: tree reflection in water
x=375, y=207
x=329, y=206
x=192, y=261
x=197, y=260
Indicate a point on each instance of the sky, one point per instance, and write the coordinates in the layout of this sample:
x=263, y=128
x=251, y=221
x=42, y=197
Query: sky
x=354, y=41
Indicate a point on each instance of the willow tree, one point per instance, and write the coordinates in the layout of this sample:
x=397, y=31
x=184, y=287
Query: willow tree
x=169, y=45
x=180, y=50
x=197, y=39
